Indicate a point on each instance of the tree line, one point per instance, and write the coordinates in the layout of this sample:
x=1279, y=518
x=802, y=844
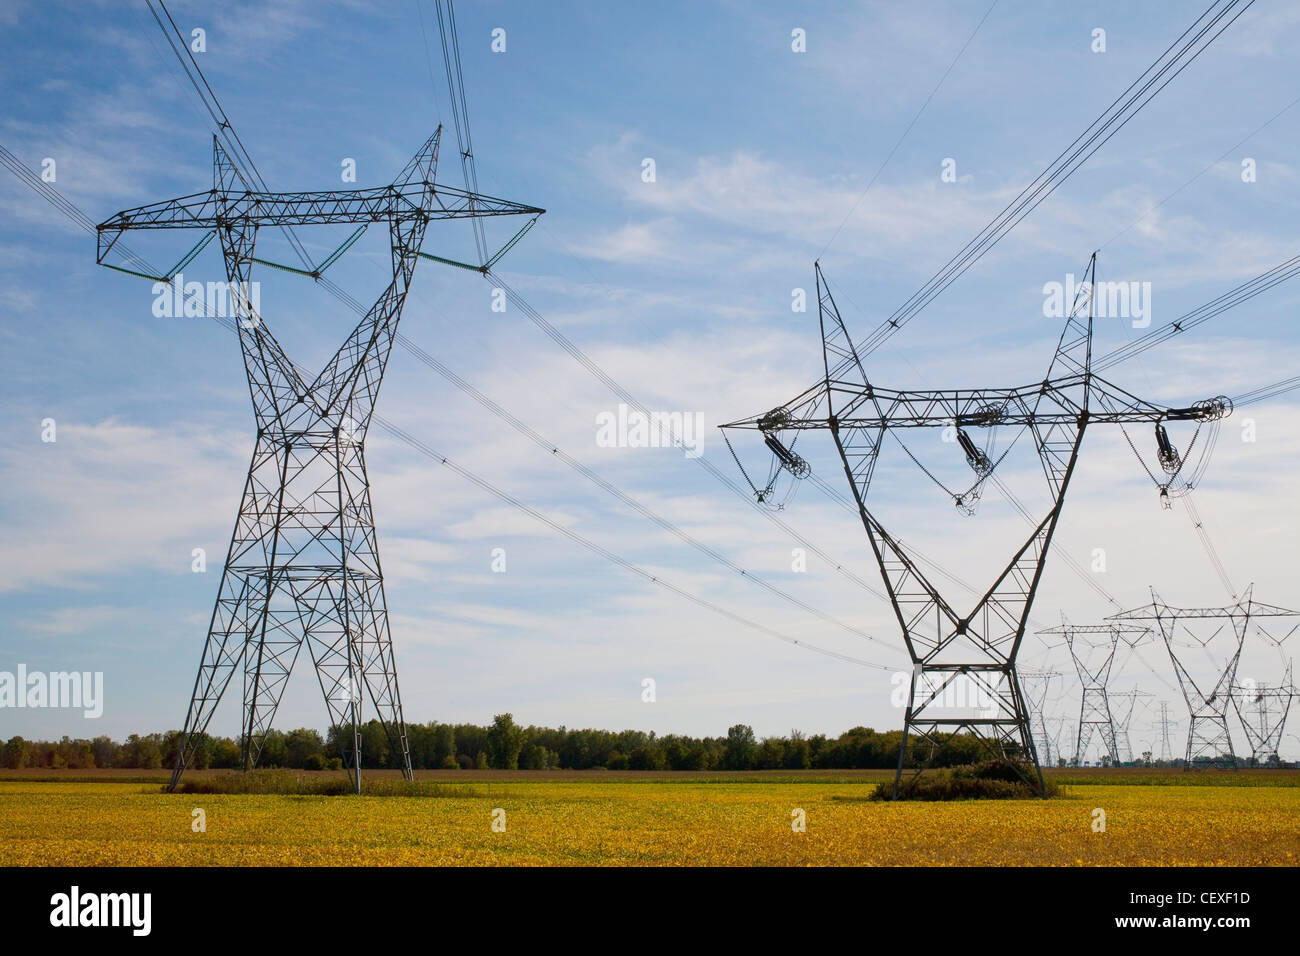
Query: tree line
x=502, y=745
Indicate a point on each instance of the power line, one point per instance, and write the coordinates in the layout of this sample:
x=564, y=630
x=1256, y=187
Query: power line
x=77, y=216
x=569, y=347
x=1226, y=153
x=452, y=59
x=224, y=128
x=1203, y=313
x=460, y=112
x=611, y=489
x=899, y=142
x=1266, y=392
x=611, y=556
x=1127, y=105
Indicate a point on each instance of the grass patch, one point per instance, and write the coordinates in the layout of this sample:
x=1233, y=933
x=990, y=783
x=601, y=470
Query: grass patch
x=286, y=782
x=999, y=779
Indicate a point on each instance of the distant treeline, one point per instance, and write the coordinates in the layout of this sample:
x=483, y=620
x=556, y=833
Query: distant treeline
x=504, y=745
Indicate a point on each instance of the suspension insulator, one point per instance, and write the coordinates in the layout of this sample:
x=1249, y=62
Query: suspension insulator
x=1170, y=460
x=787, y=459
x=975, y=457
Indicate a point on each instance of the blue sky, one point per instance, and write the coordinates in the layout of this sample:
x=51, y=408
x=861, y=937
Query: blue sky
x=681, y=289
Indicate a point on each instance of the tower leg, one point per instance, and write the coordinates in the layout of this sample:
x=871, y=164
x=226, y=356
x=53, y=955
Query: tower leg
x=267, y=665
x=1002, y=727
x=1209, y=737
x=229, y=632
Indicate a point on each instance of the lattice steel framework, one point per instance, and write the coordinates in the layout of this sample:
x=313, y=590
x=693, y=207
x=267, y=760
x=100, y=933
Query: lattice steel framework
x=1060, y=729
x=946, y=643
x=1037, y=684
x=1263, y=710
x=1092, y=648
x=303, y=563
x=1166, y=748
x=1128, y=706
x=1208, y=738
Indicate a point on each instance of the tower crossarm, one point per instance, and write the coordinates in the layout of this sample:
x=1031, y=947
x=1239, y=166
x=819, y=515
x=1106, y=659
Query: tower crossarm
x=406, y=201
x=1116, y=629
x=1052, y=402
x=1158, y=611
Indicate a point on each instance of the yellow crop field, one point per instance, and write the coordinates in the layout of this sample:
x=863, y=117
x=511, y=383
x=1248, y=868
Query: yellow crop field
x=668, y=822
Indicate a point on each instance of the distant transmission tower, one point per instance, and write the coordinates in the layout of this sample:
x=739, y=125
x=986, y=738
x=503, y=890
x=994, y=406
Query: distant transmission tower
x=1061, y=729
x=1127, y=707
x=950, y=645
x=1208, y=739
x=1263, y=711
x=303, y=564
x=1092, y=648
x=1036, y=685
x=1166, y=749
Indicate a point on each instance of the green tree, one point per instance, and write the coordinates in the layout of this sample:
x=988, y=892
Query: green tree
x=105, y=751
x=225, y=754
x=798, y=754
x=771, y=754
x=650, y=757
x=76, y=754
x=142, y=752
x=740, y=751
x=274, y=751
x=470, y=739
x=616, y=761
x=534, y=757
x=505, y=741
x=16, y=753
x=301, y=745
x=376, y=748
x=443, y=746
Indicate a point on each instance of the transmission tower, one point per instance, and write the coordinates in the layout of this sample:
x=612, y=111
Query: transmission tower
x=1060, y=730
x=1263, y=711
x=1208, y=739
x=945, y=643
x=1037, y=684
x=1166, y=749
x=1092, y=648
x=303, y=564
x=1128, y=701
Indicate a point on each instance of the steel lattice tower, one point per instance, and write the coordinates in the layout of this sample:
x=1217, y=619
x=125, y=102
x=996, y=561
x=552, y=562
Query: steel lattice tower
x=1208, y=739
x=947, y=643
x=1060, y=729
x=1093, y=668
x=1263, y=711
x=303, y=564
x=1123, y=724
x=1037, y=684
x=1166, y=748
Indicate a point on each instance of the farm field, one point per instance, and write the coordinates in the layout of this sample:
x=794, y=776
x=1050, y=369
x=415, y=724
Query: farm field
x=1152, y=818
